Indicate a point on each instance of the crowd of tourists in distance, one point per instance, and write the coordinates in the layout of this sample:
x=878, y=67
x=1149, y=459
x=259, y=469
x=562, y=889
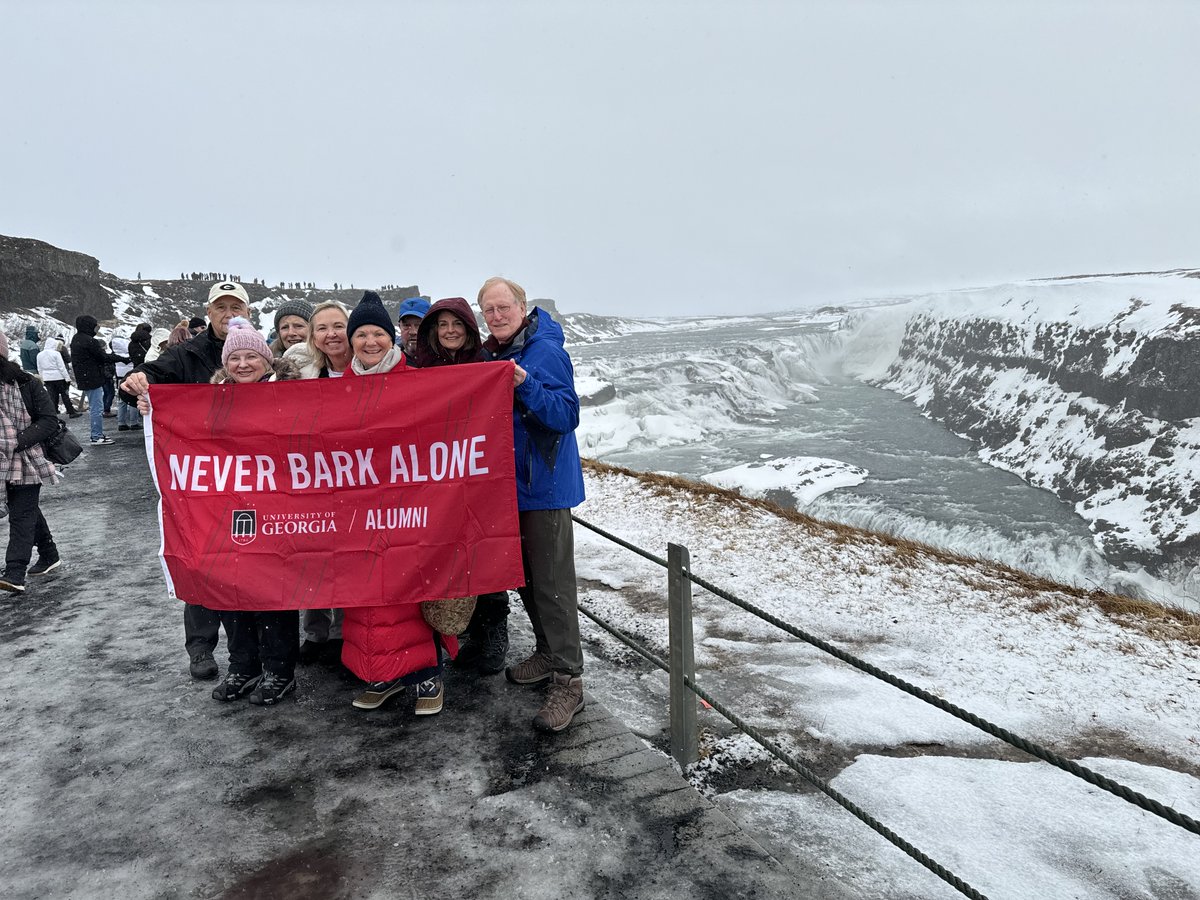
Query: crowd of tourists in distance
x=30, y=397
x=393, y=648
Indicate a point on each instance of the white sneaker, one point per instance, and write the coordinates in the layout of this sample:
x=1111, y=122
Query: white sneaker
x=102, y=440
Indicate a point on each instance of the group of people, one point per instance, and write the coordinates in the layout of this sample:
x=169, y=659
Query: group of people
x=97, y=368
x=391, y=647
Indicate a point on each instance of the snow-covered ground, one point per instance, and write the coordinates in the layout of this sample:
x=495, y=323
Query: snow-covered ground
x=1048, y=665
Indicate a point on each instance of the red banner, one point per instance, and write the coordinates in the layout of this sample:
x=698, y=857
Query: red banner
x=354, y=491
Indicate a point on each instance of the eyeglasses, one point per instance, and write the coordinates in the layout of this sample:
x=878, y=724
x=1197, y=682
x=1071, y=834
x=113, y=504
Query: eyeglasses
x=499, y=309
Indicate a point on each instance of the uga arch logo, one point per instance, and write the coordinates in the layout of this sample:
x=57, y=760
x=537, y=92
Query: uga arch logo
x=244, y=527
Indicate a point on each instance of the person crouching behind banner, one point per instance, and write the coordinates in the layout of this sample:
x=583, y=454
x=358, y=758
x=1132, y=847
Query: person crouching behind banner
x=390, y=647
x=324, y=353
x=262, y=644
x=449, y=335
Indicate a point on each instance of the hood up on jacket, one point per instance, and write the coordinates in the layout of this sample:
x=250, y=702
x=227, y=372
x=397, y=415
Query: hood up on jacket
x=86, y=324
x=430, y=353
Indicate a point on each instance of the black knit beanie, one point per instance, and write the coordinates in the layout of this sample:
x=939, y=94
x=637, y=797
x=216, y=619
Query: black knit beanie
x=370, y=311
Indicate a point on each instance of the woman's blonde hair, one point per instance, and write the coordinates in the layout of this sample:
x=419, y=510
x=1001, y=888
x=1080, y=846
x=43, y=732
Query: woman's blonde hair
x=321, y=360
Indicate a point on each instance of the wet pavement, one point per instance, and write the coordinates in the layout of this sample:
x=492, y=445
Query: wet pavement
x=123, y=778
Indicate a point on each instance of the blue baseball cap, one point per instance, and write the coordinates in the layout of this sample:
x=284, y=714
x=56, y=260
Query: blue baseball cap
x=413, y=306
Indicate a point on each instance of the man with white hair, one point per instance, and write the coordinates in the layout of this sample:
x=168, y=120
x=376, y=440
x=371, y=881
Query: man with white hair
x=549, y=483
x=194, y=362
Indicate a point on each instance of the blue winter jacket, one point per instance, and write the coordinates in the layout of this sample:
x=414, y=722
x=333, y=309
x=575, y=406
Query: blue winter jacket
x=545, y=416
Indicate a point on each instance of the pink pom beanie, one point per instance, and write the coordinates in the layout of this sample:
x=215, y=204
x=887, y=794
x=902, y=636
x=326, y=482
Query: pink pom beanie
x=243, y=336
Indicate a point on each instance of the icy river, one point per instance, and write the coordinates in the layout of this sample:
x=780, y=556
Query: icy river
x=761, y=394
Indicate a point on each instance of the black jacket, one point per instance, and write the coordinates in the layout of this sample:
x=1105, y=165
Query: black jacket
x=192, y=362
x=43, y=419
x=139, y=346
x=89, y=358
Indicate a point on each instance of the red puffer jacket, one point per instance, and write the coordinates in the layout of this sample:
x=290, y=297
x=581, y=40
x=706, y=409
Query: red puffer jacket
x=383, y=643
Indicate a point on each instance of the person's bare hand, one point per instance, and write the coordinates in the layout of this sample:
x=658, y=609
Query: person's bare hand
x=144, y=404
x=136, y=383
x=518, y=375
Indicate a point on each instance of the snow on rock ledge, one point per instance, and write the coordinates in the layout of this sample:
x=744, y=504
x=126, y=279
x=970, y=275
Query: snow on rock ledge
x=802, y=478
x=1088, y=387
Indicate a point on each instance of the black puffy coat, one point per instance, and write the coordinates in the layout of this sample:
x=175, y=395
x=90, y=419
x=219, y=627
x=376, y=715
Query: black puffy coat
x=88, y=355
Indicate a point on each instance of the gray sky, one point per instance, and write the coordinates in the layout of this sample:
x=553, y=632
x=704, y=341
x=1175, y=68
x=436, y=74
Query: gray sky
x=620, y=157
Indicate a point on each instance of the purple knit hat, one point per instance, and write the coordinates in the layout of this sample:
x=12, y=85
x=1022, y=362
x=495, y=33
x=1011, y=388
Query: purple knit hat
x=243, y=336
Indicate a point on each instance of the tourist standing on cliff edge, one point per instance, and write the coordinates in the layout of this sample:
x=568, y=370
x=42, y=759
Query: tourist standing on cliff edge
x=549, y=483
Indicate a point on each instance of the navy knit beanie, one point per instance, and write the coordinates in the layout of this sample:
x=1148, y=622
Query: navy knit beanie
x=370, y=311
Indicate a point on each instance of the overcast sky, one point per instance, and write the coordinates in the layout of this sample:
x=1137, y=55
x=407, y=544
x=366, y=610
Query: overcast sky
x=619, y=157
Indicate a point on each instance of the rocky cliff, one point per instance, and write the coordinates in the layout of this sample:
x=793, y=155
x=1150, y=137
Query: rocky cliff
x=35, y=276
x=1087, y=387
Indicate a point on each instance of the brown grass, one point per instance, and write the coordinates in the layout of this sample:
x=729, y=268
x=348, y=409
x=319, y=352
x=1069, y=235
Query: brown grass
x=1142, y=616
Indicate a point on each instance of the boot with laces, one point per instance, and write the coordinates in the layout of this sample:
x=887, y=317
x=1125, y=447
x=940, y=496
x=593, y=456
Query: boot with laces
x=377, y=694
x=534, y=670
x=272, y=688
x=235, y=686
x=564, y=698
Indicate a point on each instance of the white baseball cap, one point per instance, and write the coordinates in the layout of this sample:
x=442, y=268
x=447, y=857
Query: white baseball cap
x=228, y=289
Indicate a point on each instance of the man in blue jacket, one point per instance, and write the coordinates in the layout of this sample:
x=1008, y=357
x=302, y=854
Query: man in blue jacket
x=549, y=483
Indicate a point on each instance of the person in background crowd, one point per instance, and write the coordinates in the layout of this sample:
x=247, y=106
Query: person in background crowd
x=409, y=317
x=90, y=360
x=139, y=344
x=262, y=644
x=158, y=344
x=127, y=415
x=549, y=483
x=53, y=371
x=29, y=349
x=449, y=335
x=180, y=334
x=326, y=353
x=111, y=362
x=26, y=419
x=291, y=325
x=194, y=362
x=196, y=324
x=390, y=647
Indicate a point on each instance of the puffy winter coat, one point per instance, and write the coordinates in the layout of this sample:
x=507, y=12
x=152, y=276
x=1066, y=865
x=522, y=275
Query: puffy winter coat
x=383, y=643
x=545, y=416
x=50, y=364
x=192, y=362
x=89, y=355
x=139, y=345
x=120, y=346
x=29, y=349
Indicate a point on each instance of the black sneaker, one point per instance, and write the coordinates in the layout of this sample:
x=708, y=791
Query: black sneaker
x=12, y=584
x=235, y=686
x=101, y=441
x=495, y=648
x=75, y=415
x=122, y=428
x=45, y=564
x=203, y=667
x=272, y=688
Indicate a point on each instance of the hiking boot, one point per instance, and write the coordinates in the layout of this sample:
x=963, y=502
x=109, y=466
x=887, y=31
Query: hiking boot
x=564, y=698
x=235, y=686
x=203, y=666
x=74, y=415
x=45, y=563
x=12, y=584
x=272, y=688
x=377, y=694
x=429, y=697
x=470, y=649
x=495, y=647
x=534, y=670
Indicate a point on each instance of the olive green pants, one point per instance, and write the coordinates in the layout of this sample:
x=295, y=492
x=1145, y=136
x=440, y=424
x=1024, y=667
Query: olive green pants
x=549, y=594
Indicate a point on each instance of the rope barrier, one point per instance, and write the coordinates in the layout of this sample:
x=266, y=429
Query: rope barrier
x=795, y=765
x=1091, y=777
